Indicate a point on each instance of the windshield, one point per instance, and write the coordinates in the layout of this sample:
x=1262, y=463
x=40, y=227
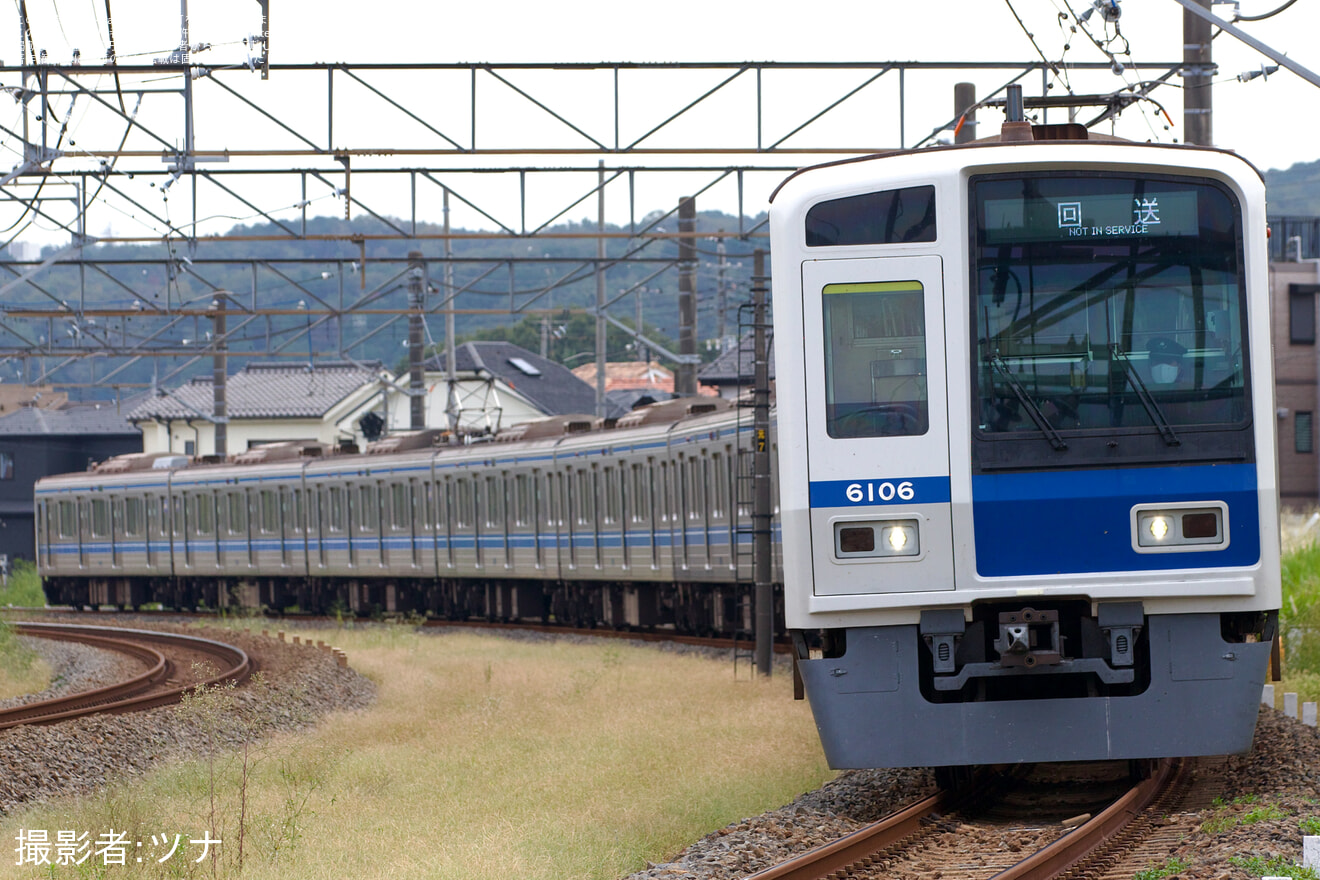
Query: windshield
x=1106, y=303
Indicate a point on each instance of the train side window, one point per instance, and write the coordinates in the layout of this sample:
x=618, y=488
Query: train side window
x=399, y=502
x=100, y=518
x=875, y=359
x=893, y=216
x=611, y=495
x=336, y=509
x=462, y=503
x=177, y=505
x=586, y=508
x=719, y=487
x=495, y=502
x=367, y=506
x=299, y=514
x=133, y=516
x=441, y=495
x=68, y=520
x=519, y=501
x=697, y=492
x=203, y=514
x=269, y=512
x=641, y=486
x=237, y=514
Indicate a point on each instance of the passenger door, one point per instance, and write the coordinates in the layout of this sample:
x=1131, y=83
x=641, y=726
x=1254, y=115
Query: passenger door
x=877, y=426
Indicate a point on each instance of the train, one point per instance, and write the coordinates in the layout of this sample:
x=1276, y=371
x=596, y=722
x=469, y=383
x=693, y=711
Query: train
x=1026, y=498
x=1026, y=385
x=640, y=523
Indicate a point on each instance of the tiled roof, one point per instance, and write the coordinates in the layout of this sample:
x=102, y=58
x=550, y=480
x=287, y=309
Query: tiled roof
x=628, y=374
x=85, y=418
x=555, y=391
x=265, y=391
x=736, y=365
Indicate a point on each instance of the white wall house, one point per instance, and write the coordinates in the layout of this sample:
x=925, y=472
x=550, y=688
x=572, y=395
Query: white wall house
x=266, y=403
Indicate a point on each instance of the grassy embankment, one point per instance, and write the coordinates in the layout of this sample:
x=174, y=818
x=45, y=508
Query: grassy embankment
x=482, y=758
x=1299, y=617
x=21, y=670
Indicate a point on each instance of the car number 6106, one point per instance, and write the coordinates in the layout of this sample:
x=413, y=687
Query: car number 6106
x=886, y=491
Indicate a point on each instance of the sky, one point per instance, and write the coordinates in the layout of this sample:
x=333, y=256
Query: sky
x=1265, y=120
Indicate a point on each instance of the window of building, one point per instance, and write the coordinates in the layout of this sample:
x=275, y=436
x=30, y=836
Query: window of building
x=6, y=466
x=1303, y=434
x=1301, y=313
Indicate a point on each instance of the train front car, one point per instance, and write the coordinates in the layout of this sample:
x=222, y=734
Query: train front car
x=1027, y=447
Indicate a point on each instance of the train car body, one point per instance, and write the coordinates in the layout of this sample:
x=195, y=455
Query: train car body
x=1026, y=430
x=639, y=525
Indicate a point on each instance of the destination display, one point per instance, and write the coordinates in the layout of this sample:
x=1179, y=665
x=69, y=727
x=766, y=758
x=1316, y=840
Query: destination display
x=1091, y=216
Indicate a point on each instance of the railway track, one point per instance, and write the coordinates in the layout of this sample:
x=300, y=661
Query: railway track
x=168, y=660
x=1014, y=826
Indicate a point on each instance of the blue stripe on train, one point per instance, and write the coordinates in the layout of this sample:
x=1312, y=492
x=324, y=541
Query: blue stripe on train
x=1072, y=522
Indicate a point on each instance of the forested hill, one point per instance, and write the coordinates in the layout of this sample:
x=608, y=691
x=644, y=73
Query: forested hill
x=1295, y=191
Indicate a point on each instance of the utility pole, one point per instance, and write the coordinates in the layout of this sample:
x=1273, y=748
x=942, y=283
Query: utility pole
x=762, y=509
x=219, y=374
x=1197, y=72
x=602, y=356
x=451, y=356
x=416, y=385
x=721, y=295
x=685, y=380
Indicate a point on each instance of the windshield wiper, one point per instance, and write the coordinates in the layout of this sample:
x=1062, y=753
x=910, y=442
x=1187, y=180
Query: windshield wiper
x=1028, y=404
x=1152, y=408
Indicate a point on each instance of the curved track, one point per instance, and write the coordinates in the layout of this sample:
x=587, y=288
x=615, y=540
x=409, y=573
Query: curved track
x=905, y=842
x=168, y=658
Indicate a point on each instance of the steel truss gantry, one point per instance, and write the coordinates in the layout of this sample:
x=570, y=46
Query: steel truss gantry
x=169, y=157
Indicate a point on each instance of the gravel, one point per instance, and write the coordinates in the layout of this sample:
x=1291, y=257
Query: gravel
x=1265, y=796
x=302, y=684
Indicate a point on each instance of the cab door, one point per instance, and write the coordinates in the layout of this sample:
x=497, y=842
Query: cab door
x=877, y=425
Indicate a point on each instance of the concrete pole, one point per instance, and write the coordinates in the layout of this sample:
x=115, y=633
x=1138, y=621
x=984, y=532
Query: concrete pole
x=1197, y=71
x=219, y=374
x=451, y=356
x=416, y=385
x=602, y=356
x=762, y=509
x=685, y=379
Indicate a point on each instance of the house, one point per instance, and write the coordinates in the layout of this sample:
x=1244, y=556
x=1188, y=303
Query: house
x=1293, y=288
x=266, y=403
x=497, y=384
x=37, y=441
x=732, y=372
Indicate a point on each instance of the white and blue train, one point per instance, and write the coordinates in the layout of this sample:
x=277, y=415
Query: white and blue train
x=1027, y=501
x=637, y=526
x=1026, y=420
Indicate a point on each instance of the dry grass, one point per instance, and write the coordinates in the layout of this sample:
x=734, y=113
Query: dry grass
x=22, y=670
x=487, y=758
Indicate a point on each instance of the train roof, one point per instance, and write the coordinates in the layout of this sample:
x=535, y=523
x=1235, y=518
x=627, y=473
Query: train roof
x=1042, y=136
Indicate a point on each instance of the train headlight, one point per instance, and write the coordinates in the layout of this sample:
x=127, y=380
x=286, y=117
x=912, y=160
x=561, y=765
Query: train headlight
x=877, y=538
x=1180, y=527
